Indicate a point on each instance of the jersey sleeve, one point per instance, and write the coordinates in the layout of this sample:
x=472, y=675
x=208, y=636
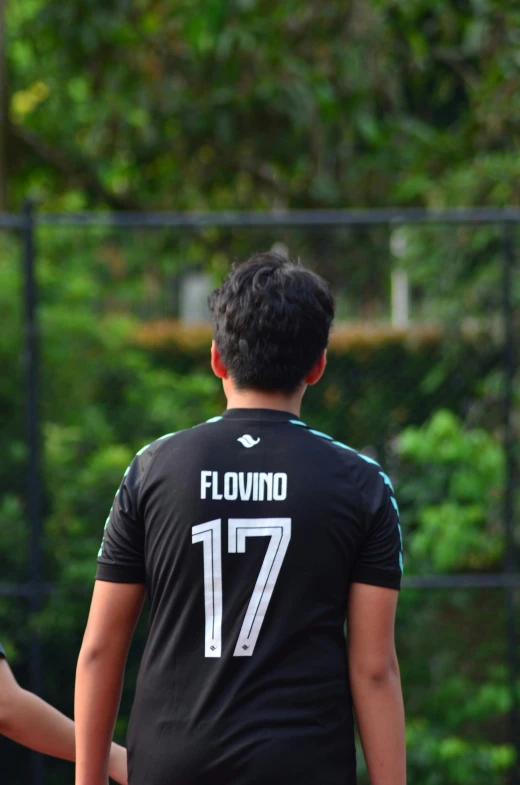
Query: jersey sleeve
x=380, y=558
x=121, y=556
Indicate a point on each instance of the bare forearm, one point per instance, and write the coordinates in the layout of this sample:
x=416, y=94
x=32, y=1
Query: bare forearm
x=35, y=724
x=98, y=692
x=113, y=615
x=378, y=705
x=32, y=722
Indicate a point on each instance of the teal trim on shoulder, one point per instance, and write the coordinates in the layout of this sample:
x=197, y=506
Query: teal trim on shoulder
x=369, y=460
x=140, y=452
x=320, y=433
x=401, y=561
x=323, y=435
x=214, y=419
x=311, y=430
x=386, y=478
x=345, y=446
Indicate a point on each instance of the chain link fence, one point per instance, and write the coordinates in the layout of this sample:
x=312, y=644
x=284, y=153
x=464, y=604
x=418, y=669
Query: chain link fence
x=107, y=342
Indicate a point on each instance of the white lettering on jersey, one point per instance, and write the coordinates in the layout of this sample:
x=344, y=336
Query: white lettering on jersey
x=265, y=484
x=280, y=487
x=214, y=487
x=210, y=535
x=244, y=486
x=279, y=530
x=205, y=483
x=230, y=486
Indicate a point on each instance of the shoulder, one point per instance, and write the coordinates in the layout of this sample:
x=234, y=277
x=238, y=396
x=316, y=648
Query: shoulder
x=144, y=457
x=163, y=445
x=365, y=471
x=342, y=451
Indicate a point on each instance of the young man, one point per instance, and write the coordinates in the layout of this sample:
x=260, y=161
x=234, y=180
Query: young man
x=254, y=536
x=27, y=719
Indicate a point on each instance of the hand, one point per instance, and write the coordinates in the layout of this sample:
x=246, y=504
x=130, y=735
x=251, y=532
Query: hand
x=118, y=769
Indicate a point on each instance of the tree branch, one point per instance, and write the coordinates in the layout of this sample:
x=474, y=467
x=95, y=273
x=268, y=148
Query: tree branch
x=79, y=172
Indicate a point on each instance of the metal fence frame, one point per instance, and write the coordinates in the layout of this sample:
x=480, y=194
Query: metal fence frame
x=27, y=224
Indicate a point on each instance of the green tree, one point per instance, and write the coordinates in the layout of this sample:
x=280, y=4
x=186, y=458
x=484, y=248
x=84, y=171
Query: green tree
x=206, y=104
x=450, y=494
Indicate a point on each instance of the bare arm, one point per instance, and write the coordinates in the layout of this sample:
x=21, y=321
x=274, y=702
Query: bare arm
x=30, y=721
x=113, y=615
x=375, y=682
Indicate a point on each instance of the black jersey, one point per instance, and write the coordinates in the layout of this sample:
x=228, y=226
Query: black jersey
x=247, y=531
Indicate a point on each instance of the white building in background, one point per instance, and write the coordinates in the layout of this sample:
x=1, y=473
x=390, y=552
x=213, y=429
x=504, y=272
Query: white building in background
x=400, y=288
x=194, y=290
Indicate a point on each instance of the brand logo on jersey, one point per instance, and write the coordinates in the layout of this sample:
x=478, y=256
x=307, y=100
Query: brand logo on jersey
x=247, y=441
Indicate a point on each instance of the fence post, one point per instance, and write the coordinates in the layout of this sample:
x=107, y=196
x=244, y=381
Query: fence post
x=510, y=561
x=33, y=461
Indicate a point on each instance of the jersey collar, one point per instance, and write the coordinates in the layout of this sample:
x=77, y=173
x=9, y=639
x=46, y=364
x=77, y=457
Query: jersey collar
x=266, y=415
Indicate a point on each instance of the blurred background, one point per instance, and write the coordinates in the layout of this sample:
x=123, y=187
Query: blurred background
x=145, y=146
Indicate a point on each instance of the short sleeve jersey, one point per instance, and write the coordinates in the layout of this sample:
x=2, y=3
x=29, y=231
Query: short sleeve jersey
x=247, y=531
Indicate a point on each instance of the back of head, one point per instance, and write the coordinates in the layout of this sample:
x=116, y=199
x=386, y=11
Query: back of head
x=271, y=322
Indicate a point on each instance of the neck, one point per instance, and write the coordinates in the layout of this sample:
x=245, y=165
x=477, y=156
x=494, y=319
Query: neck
x=256, y=399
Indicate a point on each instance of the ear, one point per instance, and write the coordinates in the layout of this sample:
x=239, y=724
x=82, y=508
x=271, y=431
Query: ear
x=317, y=370
x=217, y=366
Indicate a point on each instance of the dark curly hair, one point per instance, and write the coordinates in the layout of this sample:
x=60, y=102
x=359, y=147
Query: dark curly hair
x=271, y=322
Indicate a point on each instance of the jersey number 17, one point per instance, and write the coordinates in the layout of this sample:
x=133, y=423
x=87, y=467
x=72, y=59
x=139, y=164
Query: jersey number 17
x=239, y=529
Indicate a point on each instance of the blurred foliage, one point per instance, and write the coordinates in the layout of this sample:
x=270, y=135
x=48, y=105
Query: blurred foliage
x=425, y=401
x=247, y=105
x=458, y=523
x=205, y=104
x=451, y=481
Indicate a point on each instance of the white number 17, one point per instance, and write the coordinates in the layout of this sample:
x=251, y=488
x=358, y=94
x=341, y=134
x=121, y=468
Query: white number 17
x=279, y=530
